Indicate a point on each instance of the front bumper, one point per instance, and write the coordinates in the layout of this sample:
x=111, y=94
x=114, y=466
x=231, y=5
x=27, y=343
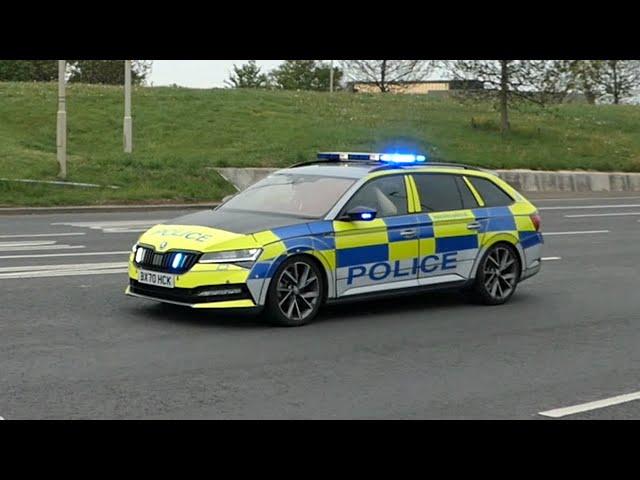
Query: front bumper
x=204, y=286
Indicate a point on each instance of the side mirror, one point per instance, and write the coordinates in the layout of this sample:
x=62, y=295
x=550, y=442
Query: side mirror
x=359, y=214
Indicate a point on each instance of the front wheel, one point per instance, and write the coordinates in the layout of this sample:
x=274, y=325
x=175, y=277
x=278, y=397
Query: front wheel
x=295, y=293
x=497, y=276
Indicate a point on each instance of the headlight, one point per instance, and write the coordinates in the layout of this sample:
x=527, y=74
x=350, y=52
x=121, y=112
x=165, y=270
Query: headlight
x=232, y=256
x=139, y=251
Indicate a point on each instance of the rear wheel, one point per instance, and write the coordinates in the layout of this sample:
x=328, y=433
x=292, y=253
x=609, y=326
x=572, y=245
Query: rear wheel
x=295, y=293
x=497, y=276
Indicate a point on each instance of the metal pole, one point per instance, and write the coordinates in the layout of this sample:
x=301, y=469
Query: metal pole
x=128, y=123
x=331, y=78
x=61, y=132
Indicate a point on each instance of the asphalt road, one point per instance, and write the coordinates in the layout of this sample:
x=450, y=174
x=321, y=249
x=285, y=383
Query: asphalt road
x=73, y=346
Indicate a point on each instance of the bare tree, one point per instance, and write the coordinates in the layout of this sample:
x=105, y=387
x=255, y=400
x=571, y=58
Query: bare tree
x=618, y=77
x=385, y=73
x=536, y=81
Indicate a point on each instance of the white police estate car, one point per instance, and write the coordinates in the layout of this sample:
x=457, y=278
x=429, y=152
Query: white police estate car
x=344, y=225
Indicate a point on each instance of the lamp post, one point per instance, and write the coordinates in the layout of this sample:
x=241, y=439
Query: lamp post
x=128, y=123
x=331, y=77
x=61, y=131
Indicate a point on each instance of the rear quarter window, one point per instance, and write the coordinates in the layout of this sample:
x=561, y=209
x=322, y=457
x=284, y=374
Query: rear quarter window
x=491, y=193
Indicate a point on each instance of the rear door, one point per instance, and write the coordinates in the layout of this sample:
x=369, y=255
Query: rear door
x=448, y=229
x=379, y=254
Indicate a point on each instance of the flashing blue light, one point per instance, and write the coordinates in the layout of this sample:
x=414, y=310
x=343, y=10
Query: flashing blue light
x=366, y=216
x=177, y=260
x=402, y=158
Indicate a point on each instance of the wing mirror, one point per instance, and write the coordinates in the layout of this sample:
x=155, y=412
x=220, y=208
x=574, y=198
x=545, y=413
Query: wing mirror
x=359, y=214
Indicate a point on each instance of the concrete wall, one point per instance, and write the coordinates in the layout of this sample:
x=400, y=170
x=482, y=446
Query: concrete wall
x=522, y=180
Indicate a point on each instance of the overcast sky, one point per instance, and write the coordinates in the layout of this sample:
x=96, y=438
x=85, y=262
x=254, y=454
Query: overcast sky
x=198, y=73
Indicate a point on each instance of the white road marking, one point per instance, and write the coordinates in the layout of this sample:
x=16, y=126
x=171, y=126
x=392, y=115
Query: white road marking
x=603, y=199
x=35, y=235
x=36, y=247
x=116, y=226
x=548, y=259
x=583, y=232
x=66, y=266
x=585, y=207
x=620, y=214
x=27, y=243
x=49, y=255
x=585, y=407
x=63, y=273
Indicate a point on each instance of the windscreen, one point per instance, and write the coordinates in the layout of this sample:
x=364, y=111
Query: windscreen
x=309, y=196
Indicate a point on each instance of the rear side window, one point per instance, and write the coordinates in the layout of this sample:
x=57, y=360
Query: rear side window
x=492, y=195
x=438, y=192
x=468, y=200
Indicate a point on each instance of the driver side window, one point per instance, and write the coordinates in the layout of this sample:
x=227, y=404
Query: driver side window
x=387, y=195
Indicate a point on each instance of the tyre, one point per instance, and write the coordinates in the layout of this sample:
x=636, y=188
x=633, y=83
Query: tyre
x=497, y=276
x=296, y=292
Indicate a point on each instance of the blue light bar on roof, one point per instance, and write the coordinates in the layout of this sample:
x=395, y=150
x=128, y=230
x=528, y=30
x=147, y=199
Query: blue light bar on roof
x=402, y=158
x=372, y=157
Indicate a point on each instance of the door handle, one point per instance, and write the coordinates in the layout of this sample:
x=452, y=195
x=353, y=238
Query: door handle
x=474, y=226
x=409, y=233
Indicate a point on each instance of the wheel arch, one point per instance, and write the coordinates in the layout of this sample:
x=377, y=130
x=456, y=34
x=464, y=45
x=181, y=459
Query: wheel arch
x=500, y=238
x=318, y=257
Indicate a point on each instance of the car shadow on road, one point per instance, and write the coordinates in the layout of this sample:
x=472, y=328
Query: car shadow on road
x=352, y=310
x=167, y=313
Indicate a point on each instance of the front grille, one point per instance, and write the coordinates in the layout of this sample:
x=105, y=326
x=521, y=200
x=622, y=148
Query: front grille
x=164, y=262
x=190, y=295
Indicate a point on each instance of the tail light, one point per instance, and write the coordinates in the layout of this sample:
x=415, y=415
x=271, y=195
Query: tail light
x=536, y=220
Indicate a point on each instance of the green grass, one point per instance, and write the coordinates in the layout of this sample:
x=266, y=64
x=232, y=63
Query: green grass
x=180, y=134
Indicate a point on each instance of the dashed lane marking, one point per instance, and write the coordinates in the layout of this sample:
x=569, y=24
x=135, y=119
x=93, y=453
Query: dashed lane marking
x=549, y=259
x=39, y=247
x=38, y=235
x=617, y=214
x=584, y=199
x=61, y=273
x=583, y=232
x=593, y=207
x=116, y=226
x=50, y=255
x=65, y=266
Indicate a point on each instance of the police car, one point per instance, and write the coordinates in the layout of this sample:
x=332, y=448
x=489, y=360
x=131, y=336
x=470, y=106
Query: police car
x=343, y=226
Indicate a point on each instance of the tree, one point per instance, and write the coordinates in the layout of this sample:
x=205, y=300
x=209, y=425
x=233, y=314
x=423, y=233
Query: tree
x=108, y=72
x=581, y=76
x=304, y=75
x=595, y=78
x=248, y=75
x=384, y=73
x=536, y=81
x=618, y=77
x=28, y=70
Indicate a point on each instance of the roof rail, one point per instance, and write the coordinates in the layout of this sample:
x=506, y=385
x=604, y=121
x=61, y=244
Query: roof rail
x=322, y=160
x=429, y=164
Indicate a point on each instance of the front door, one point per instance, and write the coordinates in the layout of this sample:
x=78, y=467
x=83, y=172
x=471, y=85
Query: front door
x=379, y=254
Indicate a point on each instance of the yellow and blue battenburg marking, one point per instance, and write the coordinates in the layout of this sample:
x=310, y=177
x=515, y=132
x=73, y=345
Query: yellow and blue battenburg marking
x=418, y=248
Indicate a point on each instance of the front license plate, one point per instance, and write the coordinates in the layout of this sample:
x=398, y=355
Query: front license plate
x=156, y=278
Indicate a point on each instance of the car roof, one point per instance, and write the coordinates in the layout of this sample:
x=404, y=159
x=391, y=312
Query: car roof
x=361, y=169
x=354, y=170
